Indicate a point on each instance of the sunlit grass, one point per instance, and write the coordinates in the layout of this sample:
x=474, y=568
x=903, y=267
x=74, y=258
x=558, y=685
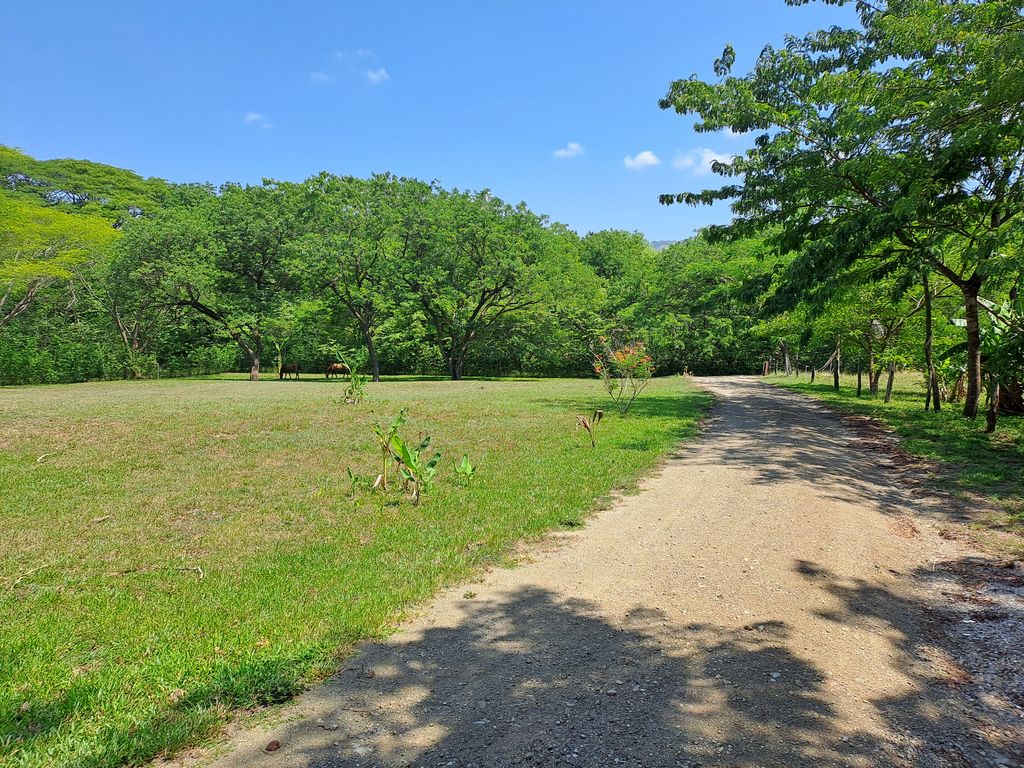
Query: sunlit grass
x=175, y=550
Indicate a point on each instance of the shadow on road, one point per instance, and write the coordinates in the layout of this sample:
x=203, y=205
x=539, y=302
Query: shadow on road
x=810, y=445
x=539, y=681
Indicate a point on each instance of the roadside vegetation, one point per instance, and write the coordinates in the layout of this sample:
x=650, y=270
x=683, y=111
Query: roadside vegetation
x=177, y=550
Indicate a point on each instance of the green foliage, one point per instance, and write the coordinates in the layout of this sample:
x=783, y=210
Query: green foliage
x=465, y=470
x=355, y=389
x=900, y=141
x=625, y=371
x=415, y=469
x=385, y=438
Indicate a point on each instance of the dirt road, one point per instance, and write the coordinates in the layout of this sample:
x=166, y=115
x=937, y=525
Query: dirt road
x=765, y=601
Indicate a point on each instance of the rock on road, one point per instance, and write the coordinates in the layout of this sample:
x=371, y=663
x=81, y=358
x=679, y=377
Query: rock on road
x=759, y=603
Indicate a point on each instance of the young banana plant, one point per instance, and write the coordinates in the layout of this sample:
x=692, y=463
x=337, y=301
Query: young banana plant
x=385, y=437
x=413, y=466
x=465, y=470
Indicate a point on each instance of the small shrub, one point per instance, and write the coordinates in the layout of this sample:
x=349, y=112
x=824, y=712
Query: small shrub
x=385, y=437
x=416, y=471
x=625, y=372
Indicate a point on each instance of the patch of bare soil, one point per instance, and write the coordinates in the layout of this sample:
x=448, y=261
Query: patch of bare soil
x=776, y=596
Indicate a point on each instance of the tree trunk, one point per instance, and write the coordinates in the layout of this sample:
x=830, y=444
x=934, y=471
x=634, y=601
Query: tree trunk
x=785, y=356
x=835, y=369
x=859, y=378
x=254, y=369
x=812, y=374
x=970, y=290
x=932, y=395
x=992, y=414
x=889, y=382
x=874, y=377
x=455, y=367
x=371, y=351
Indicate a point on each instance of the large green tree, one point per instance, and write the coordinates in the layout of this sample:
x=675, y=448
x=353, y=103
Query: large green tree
x=900, y=140
x=39, y=247
x=468, y=260
x=350, y=239
x=226, y=260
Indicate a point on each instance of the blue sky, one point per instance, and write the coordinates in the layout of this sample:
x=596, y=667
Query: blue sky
x=473, y=94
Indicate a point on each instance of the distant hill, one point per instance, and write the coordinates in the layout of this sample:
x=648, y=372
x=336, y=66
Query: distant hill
x=661, y=245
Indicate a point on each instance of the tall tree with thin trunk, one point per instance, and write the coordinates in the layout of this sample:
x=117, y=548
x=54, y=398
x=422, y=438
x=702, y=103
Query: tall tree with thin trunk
x=897, y=140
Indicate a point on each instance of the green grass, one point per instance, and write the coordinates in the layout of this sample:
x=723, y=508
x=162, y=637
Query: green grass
x=967, y=459
x=174, y=551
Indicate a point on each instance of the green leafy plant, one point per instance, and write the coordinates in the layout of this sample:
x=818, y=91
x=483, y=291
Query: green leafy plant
x=625, y=371
x=582, y=422
x=355, y=390
x=1002, y=350
x=417, y=472
x=357, y=481
x=465, y=470
x=385, y=438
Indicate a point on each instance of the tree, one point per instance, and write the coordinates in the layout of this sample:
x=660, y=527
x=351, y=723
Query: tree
x=40, y=247
x=900, y=141
x=353, y=234
x=224, y=260
x=468, y=260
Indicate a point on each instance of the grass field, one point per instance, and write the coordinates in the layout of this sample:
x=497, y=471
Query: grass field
x=968, y=459
x=176, y=550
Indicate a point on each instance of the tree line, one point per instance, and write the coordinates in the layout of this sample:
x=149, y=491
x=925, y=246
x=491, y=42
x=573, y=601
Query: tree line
x=876, y=225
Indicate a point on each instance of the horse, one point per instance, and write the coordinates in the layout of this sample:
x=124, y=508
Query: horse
x=289, y=368
x=336, y=369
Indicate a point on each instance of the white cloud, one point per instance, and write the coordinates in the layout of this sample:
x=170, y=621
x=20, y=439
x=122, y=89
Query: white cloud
x=358, y=53
x=377, y=76
x=255, y=118
x=319, y=77
x=641, y=160
x=572, y=149
x=699, y=160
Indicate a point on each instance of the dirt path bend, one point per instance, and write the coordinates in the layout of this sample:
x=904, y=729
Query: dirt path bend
x=763, y=602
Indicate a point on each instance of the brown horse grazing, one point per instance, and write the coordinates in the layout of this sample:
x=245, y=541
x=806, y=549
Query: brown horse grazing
x=289, y=368
x=336, y=369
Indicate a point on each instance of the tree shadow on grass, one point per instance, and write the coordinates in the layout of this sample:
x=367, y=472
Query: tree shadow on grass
x=684, y=403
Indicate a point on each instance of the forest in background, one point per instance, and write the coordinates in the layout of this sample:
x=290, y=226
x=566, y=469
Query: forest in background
x=875, y=227
x=110, y=275
x=138, y=277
